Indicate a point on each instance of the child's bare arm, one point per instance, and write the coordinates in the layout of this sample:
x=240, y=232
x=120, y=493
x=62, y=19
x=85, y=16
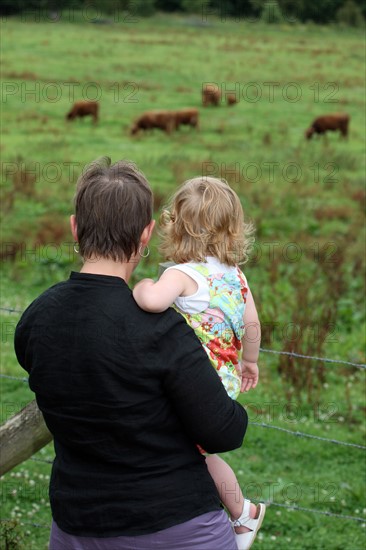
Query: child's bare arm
x=251, y=344
x=158, y=296
x=252, y=337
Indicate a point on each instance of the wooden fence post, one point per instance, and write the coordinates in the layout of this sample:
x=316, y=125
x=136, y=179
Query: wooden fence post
x=21, y=436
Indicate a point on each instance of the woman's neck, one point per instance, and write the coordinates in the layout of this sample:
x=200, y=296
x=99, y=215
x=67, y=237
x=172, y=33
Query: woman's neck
x=104, y=266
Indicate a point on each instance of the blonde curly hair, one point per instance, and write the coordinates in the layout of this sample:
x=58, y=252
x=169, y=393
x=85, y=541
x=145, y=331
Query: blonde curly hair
x=205, y=218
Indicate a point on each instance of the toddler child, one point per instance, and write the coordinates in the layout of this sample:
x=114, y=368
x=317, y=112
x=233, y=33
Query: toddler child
x=204, y=234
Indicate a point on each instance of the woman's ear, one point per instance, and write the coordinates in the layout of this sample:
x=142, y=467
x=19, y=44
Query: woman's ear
x=147, y=233
x=74, y=227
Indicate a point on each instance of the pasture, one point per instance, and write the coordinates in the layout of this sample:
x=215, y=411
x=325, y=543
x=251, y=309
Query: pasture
x=306, y=199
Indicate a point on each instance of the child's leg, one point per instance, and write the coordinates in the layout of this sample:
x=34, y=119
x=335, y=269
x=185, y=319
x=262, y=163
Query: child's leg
x=228, y=489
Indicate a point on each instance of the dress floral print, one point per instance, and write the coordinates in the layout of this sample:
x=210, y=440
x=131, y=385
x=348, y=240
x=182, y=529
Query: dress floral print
x=220, y=327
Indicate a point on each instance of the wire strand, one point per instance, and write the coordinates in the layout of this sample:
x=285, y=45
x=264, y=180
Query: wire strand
x=313, y=511
x=45, y=460
x=265, y=350
x=260, y=424
x=325, y=359
x=13, y=377
x=21, y=522
x=302, y=434
x=291, y=507
x=10, y=310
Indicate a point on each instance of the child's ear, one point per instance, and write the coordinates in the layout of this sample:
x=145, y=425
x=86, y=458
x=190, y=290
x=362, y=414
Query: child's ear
x=74, y=227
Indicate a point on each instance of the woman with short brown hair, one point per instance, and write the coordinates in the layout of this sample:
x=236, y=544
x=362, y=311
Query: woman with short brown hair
x=125, y=393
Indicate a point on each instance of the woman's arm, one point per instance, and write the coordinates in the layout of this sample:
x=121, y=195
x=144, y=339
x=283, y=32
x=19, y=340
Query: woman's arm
x=209, y=416
x=157, y=297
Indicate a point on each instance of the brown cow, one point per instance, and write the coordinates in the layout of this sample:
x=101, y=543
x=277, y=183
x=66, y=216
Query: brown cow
x=336, y=121
x=211, y=95
x=9, y=251
x=231, y=99
x=165, y=120
x=188, y=116
x=84, y=108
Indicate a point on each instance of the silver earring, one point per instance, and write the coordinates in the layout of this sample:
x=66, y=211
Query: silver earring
x=76, y=249
x=146, y=252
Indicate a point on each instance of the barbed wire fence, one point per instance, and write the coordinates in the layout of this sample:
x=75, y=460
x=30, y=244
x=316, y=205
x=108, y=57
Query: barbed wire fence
x=270, y=502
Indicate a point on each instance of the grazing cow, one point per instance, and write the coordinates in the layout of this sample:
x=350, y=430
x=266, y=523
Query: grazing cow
x=336, y=121
x=165, y=120
x=211, y=95
x=84, y=108
x=231, y=99
x=188, y=116
x=9, y=251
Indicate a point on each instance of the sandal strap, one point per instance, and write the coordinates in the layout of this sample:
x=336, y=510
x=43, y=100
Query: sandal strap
x=244, y=520
x=251, y=524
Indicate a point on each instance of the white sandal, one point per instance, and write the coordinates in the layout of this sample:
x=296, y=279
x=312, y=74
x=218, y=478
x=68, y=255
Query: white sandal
x=245, y=540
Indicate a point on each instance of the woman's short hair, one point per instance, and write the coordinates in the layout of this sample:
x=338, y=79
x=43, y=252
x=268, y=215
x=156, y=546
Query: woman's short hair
x=113, y=205
x=205, y=218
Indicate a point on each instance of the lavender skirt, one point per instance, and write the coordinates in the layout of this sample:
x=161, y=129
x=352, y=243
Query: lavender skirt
x=206, y=532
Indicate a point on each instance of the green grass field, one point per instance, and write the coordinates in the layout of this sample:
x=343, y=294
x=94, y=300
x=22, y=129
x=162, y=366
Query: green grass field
x=305, y=198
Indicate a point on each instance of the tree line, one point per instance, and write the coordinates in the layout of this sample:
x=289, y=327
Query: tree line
x=349, y=12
